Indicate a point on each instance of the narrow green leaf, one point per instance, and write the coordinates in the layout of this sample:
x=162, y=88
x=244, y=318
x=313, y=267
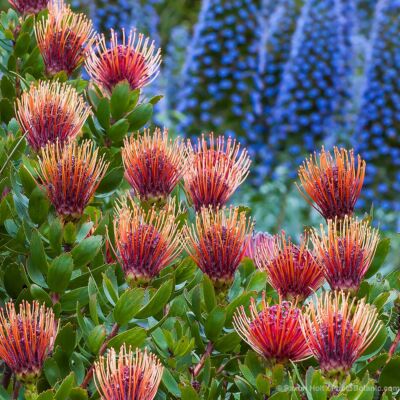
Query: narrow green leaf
x=60, y=272
x=128, y=306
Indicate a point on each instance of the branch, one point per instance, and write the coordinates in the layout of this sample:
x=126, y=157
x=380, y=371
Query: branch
x=203, y=359
x=102, y=350
x=394, y=345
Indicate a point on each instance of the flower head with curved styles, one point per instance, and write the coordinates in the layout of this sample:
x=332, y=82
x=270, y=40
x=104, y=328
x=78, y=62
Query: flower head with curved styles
x=146, y=242
x=217, y=242
x=134, y=60
x=215, y=169
x=345, y=251
x=292, y=270
x=256, y=241
x=338, y=330
x=49, y=112
x=153, y=164
x=64, y=38
x=274, y=331
x=71, y=174
x=128, y=375
x=26, y=7
x=26, y=338
x=332, y=184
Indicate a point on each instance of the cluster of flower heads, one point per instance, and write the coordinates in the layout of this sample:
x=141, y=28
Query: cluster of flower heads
x=314, y=80
x=221, y=62
x=377, y=132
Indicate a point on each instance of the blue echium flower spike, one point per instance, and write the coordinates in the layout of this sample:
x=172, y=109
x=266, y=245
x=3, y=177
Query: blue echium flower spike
x=278, y=29
x=314, y=81
x=220, y=65
x=365, y=10
x=377, y=135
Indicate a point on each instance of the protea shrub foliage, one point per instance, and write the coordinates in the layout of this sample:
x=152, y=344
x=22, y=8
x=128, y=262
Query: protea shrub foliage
x=127, y=271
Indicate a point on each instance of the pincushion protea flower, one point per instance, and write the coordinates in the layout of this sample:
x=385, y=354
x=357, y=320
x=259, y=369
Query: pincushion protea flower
x=217, y=242
x=146, y=242
x=338, y=331
x=63, y=38
x=128, y=375
x=49, y=112
x=214, y=170
x=345, y=252
x=29, y=6
x=70, y=175
x=292, y=270
x=134, y=60
x=257, y=240
x=274, y=331
x=26, y=338
x=332, y=185
x=153, y=164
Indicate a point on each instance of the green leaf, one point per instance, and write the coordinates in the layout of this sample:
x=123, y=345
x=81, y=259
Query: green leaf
x=140, y=116
x=376, y=345
x=68, y=300
x=7, y=110
x=134, y=337
x=38, y=256
x=128, y=305
x=318, y=389
x=103, y=113
x=118, y=131
x=22, y=44
x=242, y=300
x=51, y=371
x=39, y=294
x=214, y=323
x=170, y=383
x=188, y=393
x=155, y=99
x=120, y=100
x=258, y=281
x=96, y=338
x=209, y=293
x=263, y=384
x=65, y=387
x=47, y=395
x=70, y=233
x=60, y=272
x=228, y=342
x=56, y=235
x=38, y=206
x=279, y=396
x=86, y=250
x=390, y=373
x=158, y=301
x=66, y=338
x=7, y=87
x=28, y=183
x=111, y=180
x=381, y=253
x=78, y=393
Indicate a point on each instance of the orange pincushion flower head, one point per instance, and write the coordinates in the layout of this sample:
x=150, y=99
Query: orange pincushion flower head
x=217, y=242
x=134, y=60
x=214, y=170
x=70, y=175
x=146, y=241
x=332, y=184
x=153, y=164
x=26, y=338
x=274, y=331
x=292, y=270
x=64, y=38
x=49, y=112
x=128, y=375
x=345, y=251
x=29, y=6
x=338, y=330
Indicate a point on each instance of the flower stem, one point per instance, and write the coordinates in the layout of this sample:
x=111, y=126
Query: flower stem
x=394, y=345
x=203, y=359
x=103, y=348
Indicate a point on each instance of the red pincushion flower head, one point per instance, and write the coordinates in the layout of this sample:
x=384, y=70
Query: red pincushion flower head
x=128, y=375
x=49, y=112
x=332, y=185
x=134, y=60
x=256, y=241
x=338, y=330
x=146, y=242
x=274, y=331
x=70, y=175
x=64, y=38
x=26, y=338
x=217, y=242
x=29, y=6
x=292, y=270
x=345, y=252
x=214, y=170
x=153, y=164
